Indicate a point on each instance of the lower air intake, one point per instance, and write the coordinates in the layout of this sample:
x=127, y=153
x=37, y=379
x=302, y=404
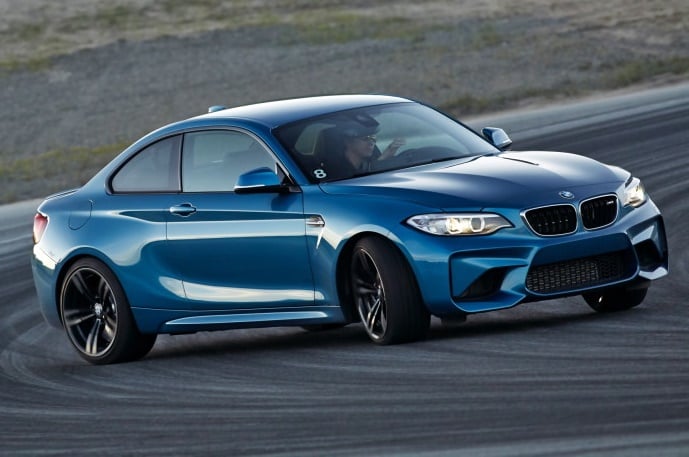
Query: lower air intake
x=576, y=274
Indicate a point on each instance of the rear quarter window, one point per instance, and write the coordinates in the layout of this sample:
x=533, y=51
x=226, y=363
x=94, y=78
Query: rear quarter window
x=153, y=169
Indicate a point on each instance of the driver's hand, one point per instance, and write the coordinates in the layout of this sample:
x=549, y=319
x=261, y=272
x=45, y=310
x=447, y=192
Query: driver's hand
x=393, y=147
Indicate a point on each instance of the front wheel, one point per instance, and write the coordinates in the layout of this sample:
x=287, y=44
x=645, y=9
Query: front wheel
x=96, y=315
x=616, y=299
x=385, y=293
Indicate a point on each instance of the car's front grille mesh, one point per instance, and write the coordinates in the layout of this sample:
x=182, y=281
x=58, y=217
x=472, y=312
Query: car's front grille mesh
x=556, y=220
x=576, y=274
x=552, y=220
x=599, y=212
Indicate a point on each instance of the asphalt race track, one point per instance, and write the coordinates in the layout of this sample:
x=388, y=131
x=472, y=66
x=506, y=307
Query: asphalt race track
x=550, y=378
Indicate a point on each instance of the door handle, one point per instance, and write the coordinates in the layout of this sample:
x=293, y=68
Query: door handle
x=185, y=209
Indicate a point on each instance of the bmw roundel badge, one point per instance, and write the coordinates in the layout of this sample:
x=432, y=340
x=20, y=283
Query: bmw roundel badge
x=566, y=194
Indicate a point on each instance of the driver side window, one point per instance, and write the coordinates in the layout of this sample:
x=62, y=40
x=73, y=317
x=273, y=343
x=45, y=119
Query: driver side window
x=213, y=160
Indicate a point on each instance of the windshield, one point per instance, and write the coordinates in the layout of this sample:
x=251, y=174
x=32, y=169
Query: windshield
x=375, y=139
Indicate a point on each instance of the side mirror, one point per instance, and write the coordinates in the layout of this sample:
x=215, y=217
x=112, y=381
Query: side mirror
x=497, y=137
x=260, y=180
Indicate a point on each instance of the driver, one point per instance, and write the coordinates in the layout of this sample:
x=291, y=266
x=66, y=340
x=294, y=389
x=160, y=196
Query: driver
x=360, y=149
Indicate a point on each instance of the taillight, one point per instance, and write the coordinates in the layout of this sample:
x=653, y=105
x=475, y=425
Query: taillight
x=40, y=223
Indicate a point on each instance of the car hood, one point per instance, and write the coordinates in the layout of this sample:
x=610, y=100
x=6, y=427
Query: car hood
x=510, y=179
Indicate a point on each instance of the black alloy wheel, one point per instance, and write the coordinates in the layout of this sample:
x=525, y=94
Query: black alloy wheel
x=385, y=293
x=96, y=315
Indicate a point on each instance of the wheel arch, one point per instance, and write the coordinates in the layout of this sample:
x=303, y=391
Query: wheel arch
x=67, y=265
x=103, y=330
x=342, y=270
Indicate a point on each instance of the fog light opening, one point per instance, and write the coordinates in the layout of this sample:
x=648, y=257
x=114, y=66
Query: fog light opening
x=486, y=285
x=649, y=257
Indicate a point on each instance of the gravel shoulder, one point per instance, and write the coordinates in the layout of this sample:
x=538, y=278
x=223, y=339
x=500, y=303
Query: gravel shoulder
x=81, y=79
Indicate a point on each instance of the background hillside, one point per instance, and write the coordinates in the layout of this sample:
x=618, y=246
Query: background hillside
x=81, y=79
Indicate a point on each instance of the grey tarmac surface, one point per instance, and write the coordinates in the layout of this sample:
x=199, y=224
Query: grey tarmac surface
x=550, y=378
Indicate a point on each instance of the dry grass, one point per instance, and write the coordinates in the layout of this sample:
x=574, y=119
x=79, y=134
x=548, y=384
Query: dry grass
x=35, y=30
x=52, y=170
x=466, y=56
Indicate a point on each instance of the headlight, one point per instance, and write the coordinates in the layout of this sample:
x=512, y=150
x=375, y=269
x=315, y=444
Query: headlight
x=458, y=224
x=634, y=193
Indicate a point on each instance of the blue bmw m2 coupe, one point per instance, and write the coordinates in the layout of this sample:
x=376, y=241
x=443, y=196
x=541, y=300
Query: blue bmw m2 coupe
x=324, y=211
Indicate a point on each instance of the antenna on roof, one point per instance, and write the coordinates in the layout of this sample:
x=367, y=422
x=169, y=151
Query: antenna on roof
x=214, y=108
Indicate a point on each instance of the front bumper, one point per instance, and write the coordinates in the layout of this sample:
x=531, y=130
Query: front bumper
x=512, y=266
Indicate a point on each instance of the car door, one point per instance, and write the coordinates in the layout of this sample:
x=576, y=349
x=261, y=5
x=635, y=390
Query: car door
x=236, y=251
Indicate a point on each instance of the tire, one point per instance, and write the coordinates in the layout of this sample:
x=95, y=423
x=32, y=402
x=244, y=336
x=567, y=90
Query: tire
x=96, y=315
x=385, y=293
x=617, y=299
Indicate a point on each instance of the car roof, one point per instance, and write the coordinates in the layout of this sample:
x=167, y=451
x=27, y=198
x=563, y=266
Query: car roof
x=275, y=113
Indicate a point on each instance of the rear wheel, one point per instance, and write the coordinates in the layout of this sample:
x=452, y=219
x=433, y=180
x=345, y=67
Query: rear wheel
x=385, y=293
x=616, y=299
x=97, y=318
